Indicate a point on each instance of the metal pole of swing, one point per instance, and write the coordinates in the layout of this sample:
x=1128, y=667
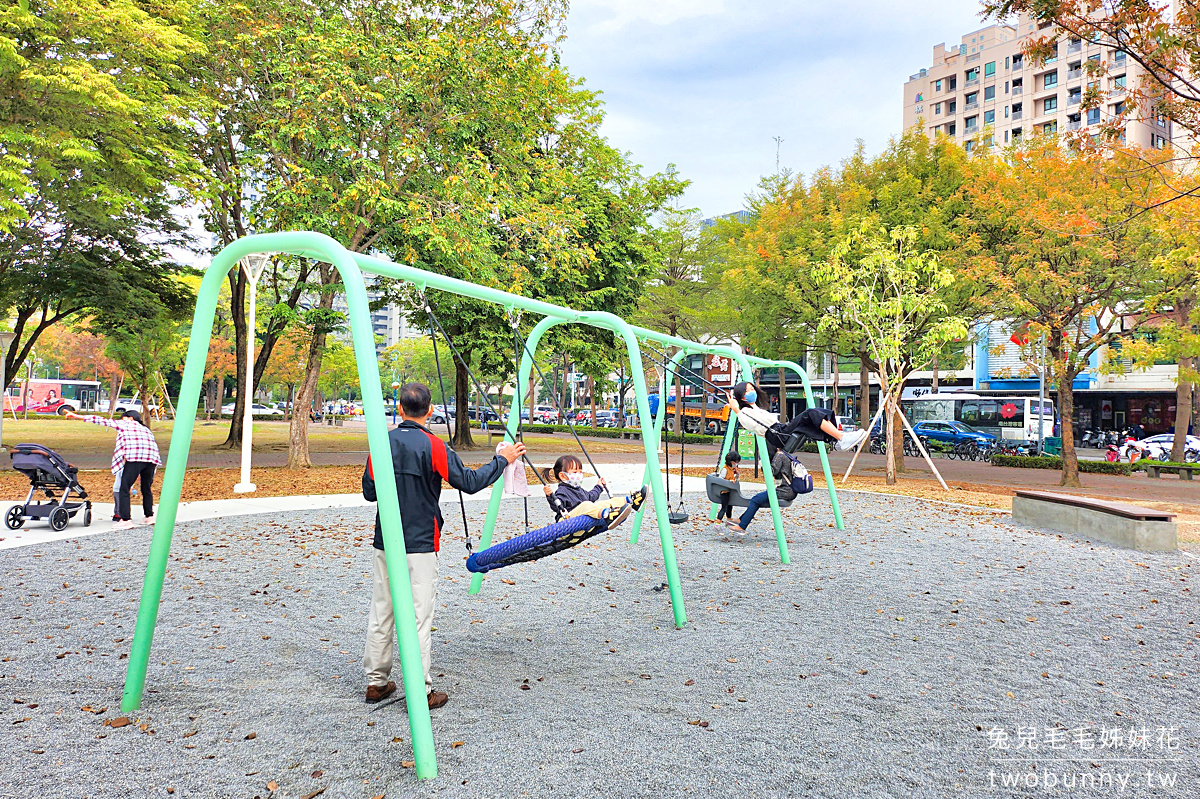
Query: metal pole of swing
x=395, y=386
x=252, y=266
x=1041, y=393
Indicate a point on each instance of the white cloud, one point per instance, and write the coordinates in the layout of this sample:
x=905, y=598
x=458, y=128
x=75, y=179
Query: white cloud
x=706, y=84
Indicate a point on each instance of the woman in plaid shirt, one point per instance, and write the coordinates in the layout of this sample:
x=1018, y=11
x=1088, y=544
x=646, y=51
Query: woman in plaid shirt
x=135, y=457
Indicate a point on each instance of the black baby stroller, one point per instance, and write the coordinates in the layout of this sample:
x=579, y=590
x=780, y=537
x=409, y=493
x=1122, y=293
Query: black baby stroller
x=47, y=472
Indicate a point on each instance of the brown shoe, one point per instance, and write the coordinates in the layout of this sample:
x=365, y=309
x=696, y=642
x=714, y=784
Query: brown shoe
x=437, y=699
x=377, y=693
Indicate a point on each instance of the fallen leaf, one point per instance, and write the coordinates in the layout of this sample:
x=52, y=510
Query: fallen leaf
x=22, y=721
x=862, y=671
x=190, y=734
x=317, y=792
x=704, y=724
x=507, y=581
x=457, y=744
x=644, y=676
x=272, y=786
x=251, y=736
x=119, y=721
x=397, y=740
x=731, y=660
x=690, y=682
x=407, y=763
x=377, y=797
x=577, y=751
x=524, y=686
x=1011, y=695
x=316, y=775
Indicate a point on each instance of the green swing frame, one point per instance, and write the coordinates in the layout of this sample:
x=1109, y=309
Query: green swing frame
x=351, y=267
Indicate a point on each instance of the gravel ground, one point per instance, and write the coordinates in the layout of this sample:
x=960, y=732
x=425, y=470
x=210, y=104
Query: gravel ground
x=885, y=661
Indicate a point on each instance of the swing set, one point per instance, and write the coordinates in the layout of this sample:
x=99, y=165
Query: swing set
x=552, y=538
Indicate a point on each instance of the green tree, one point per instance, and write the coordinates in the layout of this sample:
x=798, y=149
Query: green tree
x=898, y=296
x=1049, y=237
x=91, y=140
x=145, y=347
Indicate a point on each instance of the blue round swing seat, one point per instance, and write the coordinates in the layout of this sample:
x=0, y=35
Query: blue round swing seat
x=536, y=543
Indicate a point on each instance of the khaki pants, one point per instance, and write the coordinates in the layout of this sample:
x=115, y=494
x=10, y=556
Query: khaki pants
x=594, y=509
x=381, y=624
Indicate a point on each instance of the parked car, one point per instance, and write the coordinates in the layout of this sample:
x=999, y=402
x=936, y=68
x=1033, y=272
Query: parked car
x=847, y=424
x=953, y=433
x=606, y=418
x=133, y=405
x=546, y=414
x=257, y=409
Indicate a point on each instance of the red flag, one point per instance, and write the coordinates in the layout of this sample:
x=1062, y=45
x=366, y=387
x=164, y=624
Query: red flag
x=1020, y=336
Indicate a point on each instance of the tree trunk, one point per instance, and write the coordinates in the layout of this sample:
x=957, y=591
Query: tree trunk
x=592, y=399
x=298, y=455
x=864, y=387
x=144, y=393
x=892, y=430
x=462, y=414
x=1183, y=411
x=1066, y=402
x=237, y=312
x=837, y=380
x=783, y=414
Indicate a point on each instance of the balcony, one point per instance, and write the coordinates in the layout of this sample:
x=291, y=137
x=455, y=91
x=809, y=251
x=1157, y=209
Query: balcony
x=971, y=105
x=971, y=82
x=1074, y=74
x=1073, y=99
x=1015, y=115
x=1074, y=125
x=1016, y=90
x=1074, y=47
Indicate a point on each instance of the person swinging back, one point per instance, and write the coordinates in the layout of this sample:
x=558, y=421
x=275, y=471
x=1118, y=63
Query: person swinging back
x=813, y=424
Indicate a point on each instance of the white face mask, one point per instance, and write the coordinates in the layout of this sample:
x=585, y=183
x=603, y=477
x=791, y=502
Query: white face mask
x=574, y=479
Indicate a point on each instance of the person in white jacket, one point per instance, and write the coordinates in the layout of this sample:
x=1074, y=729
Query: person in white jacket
x=815, y=424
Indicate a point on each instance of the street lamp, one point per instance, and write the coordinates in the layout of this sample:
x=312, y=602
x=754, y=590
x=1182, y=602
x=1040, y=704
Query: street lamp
x=252, y=267
x=395, y=386
x=6, y=340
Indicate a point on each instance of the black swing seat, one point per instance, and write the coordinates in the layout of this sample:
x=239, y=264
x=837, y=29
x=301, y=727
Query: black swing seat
x=715, y=486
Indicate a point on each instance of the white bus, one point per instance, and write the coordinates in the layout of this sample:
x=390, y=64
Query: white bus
x=1008, y=417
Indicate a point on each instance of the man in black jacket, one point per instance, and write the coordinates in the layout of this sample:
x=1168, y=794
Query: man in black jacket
x=421, y=461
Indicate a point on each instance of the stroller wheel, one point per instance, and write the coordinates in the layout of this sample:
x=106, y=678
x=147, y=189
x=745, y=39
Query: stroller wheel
x=58, y=519
x=15, y=517
x=87, y=517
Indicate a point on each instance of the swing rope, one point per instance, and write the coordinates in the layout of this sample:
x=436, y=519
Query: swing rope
x=514, y=319
x=446, y=416
x=542, y=377
x=482, y=394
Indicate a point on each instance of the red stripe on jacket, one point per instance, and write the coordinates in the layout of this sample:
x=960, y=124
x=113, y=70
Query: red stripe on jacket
x=437, y=449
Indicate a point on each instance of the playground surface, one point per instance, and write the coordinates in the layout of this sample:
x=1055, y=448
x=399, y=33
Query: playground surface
x=892, y=658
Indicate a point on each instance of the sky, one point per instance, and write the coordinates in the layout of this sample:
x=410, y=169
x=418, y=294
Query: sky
x=707, y=84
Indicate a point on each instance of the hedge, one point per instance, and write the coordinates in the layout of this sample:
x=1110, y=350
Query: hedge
x=1142, y=464
x=1049, y=462
x=603, y=432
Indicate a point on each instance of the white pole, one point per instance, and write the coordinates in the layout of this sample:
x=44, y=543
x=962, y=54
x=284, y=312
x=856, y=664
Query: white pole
x=1041, y=393
x=252, y=270
x=924, y=454
x=858, y=450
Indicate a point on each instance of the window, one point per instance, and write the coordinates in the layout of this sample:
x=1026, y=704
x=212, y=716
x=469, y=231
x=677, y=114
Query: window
x=950, y=129
x=1119, y=57
x=937, y=108
x=970, y=123
x=1050, y=59
x=972, y=74
x=989, y=92
x=952, y=83
x=937, y=85
x=968, y=146
x=1050, y=128
x=1007, y=62
x=951, y=107
x=1017, y=61
x=989, y=69
x=989, y=117
x=971, y=98
x=1119, y=108
x=1119, y=82
x=1006, y=87
x=1050, y=80
x=1094, y=59
x=1006, y=137
x=1049, y=105
x=1093, y=117
x=1016, y=133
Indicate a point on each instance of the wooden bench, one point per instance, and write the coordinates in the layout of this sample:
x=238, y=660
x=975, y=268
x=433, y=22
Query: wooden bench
x=1119, y=523
x=1184, y=472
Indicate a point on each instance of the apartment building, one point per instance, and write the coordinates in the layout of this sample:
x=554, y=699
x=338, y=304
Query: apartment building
x=984, y=91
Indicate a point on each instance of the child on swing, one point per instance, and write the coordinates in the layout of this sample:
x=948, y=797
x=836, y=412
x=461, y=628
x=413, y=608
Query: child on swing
x=732, y=459
x=570, y=499
x=815, y=424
